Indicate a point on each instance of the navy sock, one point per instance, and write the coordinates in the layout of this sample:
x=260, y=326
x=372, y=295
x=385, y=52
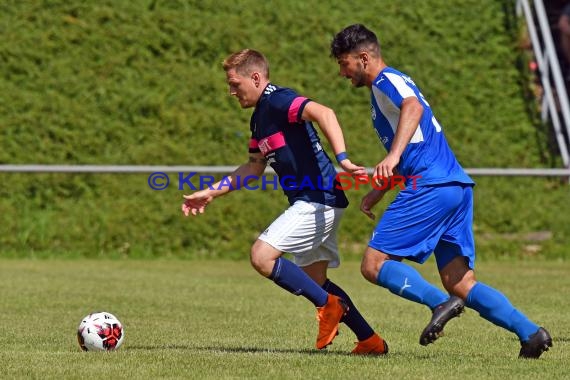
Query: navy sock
x=405, y=281
x=495, y=307
x=353, y=319
x=292, y=278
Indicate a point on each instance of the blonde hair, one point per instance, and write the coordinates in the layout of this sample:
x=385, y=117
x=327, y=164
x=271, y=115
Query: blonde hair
x=246, y=61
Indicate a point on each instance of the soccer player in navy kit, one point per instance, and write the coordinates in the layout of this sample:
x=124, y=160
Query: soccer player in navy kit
x=283, y=136
x=435, y=215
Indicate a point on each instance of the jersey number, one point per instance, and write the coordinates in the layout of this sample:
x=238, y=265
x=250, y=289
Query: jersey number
x=433, y=119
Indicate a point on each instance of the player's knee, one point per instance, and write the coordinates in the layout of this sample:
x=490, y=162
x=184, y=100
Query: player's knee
x=256, y=258
x=261, y=260
x=371, y=264
x=369, y=270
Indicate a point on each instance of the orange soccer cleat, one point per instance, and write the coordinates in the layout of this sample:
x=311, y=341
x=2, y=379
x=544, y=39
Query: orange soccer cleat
x=374, y=345
x=329, y=317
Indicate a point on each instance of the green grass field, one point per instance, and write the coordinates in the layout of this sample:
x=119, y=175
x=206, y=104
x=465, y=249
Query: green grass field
x=220, y=320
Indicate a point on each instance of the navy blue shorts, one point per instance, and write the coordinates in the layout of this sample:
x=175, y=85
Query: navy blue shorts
x=428, y=219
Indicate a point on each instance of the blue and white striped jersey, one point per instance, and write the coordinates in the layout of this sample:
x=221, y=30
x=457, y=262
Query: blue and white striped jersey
x=428, y=157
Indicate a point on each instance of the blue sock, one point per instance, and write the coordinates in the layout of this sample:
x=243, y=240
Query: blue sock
x=403, y=280
x=495, y=307
x=353, y=319
x=292, y=278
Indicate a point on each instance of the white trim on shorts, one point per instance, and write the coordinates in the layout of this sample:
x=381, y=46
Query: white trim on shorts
x=308, y=231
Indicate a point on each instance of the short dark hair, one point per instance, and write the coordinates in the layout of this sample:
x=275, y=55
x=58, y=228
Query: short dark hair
x=352, y=38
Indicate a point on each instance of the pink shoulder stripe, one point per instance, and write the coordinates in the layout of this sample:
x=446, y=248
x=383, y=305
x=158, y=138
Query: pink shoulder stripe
x=294, y=109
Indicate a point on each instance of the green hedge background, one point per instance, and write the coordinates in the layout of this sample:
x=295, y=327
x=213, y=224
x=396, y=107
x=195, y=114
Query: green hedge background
x=140, y=82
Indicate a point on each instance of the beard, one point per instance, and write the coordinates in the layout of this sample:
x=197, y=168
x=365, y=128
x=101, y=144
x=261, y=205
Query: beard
x=359, y=78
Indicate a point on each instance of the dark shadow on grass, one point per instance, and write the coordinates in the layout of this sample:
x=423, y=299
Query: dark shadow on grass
x=555, y=339
x=241, y=350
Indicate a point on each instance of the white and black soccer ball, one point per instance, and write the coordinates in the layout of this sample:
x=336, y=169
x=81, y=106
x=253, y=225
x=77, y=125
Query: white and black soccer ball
x=100, y=331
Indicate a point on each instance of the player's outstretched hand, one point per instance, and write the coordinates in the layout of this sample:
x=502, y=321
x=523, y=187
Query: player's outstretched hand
x=353, y=169
x=196, y=203
x=370, y=200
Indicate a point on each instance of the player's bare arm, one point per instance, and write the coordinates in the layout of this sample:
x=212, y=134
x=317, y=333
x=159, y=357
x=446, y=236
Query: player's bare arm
x=328, y=123
x=196, y=203
x=410, y=115
x=370, y=200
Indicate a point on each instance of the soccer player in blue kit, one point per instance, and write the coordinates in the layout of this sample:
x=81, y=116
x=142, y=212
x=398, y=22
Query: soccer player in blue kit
x=282, y=134
x=434, y=214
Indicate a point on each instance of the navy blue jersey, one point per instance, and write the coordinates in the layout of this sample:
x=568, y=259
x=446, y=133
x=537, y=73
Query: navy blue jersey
x=428, y=157
x=292, y=147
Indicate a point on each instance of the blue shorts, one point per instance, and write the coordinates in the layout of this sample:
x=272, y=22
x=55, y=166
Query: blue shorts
x=428, y=219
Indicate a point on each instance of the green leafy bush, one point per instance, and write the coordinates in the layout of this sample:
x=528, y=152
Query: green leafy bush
x=140, y=82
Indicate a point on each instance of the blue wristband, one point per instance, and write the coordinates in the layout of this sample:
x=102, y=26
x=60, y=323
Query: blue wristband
x=341, y=156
